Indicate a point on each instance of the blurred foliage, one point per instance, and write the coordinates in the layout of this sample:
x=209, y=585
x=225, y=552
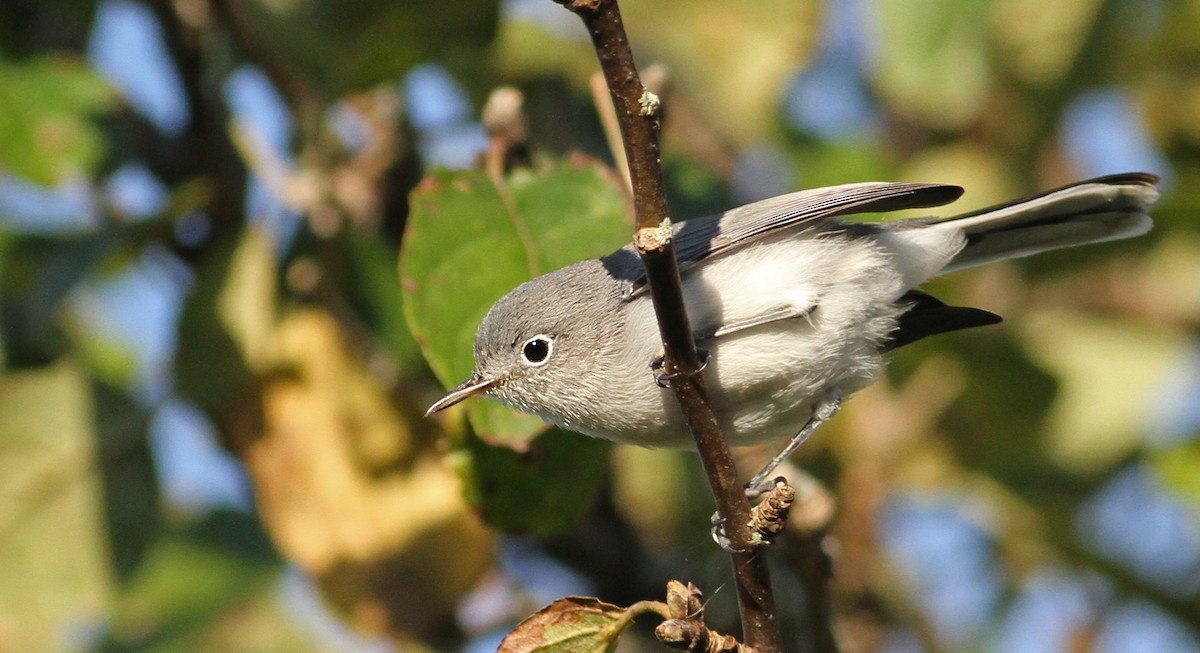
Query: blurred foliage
x=52, y=521
x=347, y=46
x=1177, y=467
x=47, y=128
x=312, y=329
x=541, y=490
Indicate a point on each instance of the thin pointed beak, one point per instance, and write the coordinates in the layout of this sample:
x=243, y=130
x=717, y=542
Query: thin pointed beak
x=474, y=385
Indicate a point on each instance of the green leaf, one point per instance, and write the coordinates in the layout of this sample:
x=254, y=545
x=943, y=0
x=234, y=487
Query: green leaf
x=47, y=106
x=375, y=286
x=106, y=357
x=1179, y=470
x=540, y=491
x=206, y=585
x=468, y=243
x=575, y=624
x=56, y=577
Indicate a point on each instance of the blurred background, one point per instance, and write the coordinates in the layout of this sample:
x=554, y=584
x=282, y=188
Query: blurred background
x=211, y=397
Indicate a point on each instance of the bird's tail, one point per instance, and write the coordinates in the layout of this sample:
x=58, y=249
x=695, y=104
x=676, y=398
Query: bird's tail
x=1092, y=211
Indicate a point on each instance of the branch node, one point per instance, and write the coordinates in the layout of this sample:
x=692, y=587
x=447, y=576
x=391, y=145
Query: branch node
x=653, y=239
x=507, y=131
x=684, y=601
x=691, y=635
x=649, y=103
x=685, y=629
x=769, y=517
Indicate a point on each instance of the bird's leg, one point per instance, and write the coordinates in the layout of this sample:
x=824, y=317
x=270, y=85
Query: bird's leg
x=823, y=409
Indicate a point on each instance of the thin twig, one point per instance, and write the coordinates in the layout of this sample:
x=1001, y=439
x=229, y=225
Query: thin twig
x=639, y=114
x=608, y=120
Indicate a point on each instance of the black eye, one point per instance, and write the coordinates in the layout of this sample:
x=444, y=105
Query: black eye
x=537, y=349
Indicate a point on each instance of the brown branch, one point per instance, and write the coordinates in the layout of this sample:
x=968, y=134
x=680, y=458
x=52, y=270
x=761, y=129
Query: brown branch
x=205, y=149
x=639, y=115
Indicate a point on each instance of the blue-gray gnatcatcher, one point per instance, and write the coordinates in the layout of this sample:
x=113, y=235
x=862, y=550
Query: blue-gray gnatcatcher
x=794, y=307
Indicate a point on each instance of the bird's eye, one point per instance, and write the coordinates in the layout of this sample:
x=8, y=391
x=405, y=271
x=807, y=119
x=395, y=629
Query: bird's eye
x=537, y=349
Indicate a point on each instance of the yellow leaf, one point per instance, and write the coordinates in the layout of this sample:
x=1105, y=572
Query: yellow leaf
x=56, y=574
x=346, y=494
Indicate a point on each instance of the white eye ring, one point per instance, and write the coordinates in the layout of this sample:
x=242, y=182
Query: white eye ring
x=537, y=350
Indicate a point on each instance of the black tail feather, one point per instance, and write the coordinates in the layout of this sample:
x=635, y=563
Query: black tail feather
x=927, y=316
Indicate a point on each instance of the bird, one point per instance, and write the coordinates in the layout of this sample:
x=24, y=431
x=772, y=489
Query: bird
x=794, y=307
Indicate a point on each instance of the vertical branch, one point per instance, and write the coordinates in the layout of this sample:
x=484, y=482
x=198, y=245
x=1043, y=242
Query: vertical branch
x=639, y=115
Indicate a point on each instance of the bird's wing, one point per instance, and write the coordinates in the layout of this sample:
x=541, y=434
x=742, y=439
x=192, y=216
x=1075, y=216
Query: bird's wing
x=783, y=313
x=703, y=238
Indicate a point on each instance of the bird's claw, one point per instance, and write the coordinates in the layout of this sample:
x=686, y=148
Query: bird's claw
x=663, y=379
x=753, y=494
x=719, y=536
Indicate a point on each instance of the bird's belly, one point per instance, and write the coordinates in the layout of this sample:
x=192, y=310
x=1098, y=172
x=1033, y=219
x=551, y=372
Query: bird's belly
x=769, y=392
x=761, y=385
